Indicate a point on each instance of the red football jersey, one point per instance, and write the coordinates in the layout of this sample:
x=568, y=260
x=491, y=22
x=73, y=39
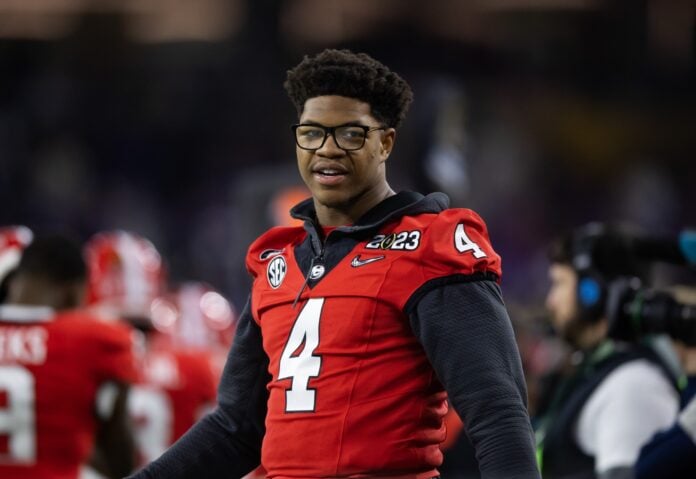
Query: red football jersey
x=177, y=387
x=51, y=367
x=352, y=391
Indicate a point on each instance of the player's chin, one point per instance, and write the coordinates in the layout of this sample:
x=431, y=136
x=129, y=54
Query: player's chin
x=337, y=198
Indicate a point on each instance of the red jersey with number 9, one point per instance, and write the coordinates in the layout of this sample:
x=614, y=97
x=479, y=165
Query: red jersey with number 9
x=51, y=367
x=352, y=392
x=176, y=388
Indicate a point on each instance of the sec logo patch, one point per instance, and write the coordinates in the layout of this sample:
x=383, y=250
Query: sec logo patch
x=275, y=272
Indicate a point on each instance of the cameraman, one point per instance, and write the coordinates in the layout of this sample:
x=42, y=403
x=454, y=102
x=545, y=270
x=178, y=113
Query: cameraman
x=617, y=395
x=671, y=454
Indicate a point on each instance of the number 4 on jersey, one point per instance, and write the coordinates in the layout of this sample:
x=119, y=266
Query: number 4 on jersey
x=302, y=365
x=464, y=244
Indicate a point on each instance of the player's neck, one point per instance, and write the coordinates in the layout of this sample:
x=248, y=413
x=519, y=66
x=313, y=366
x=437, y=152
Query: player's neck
x=332, y=215
x=39, y=292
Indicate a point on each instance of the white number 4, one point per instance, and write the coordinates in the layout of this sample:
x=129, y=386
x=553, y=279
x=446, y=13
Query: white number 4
x=464, y=244
x=303, y=365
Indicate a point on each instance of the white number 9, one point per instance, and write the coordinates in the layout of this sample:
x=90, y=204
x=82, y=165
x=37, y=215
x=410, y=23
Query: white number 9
x=152, y=413
x=17, y=417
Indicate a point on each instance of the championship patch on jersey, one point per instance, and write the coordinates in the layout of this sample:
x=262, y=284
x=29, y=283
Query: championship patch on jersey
x=276, y=270
x=403, y=240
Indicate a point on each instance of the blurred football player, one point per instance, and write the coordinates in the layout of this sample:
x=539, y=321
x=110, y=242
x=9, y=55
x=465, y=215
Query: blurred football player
x=194, y=316
x=125, y=275
x=177, y=385
x=64, y=374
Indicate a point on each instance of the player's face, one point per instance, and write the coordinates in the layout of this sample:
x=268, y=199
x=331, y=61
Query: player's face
x=344, y=184
x=561, y=300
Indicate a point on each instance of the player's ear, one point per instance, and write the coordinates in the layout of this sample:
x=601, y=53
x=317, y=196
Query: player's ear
x=387, y=143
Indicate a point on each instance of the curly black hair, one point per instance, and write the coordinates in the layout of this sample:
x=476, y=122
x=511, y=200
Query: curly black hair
x=352, y=75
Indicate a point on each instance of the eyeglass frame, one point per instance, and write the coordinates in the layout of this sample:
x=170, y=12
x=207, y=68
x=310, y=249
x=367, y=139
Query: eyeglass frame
x=331, y=130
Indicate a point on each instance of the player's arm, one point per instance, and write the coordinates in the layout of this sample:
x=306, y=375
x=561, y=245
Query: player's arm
x=227, y=442
x=465, y=330
x=114, y=451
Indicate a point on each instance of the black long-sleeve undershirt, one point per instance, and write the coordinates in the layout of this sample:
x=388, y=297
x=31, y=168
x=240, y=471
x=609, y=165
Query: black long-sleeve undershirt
x=467, y=335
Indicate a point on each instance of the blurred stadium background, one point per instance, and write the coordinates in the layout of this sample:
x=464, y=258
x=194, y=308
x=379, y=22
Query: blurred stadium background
x=169, y=118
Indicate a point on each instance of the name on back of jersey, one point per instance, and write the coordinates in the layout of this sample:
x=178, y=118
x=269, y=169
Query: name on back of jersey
x=23, y=345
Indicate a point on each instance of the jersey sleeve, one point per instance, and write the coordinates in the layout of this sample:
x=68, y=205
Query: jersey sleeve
x=456, y=243
x=273, y=242
x=458, y=315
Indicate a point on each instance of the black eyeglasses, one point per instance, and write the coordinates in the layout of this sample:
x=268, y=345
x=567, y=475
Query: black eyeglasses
x=347, y=137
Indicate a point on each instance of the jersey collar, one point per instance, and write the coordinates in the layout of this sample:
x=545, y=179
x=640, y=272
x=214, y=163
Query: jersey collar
x=20, y=313
x=396, y=206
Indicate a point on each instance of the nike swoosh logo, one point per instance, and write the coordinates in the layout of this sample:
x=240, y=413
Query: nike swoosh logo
x=357, y=262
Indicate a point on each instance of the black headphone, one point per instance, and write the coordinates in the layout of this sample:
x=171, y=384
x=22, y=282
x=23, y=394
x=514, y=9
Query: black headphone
x=592, y=285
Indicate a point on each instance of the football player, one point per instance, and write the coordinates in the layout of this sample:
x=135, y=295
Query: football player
x=363, y=321
x=64, y=374
x=177, y=382
x=195, y=317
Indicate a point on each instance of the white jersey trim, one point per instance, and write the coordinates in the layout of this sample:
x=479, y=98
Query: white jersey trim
x=20, y=313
